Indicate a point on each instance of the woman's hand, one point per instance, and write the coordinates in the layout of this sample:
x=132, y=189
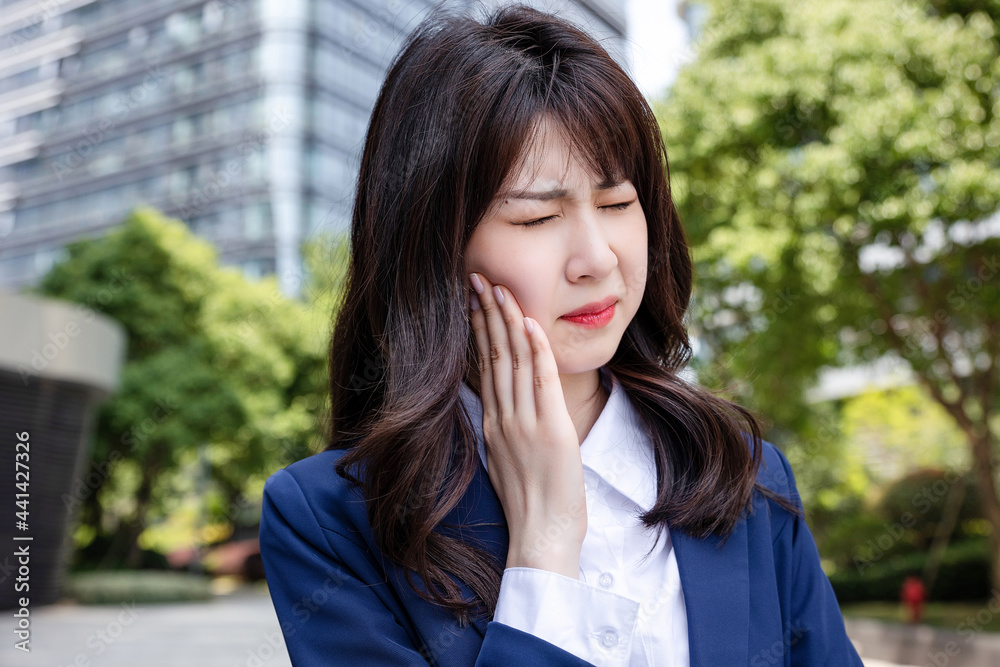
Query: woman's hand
x=532, y=448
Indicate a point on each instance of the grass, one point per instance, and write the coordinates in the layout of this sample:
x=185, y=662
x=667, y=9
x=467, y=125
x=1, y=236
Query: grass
x=952, y=616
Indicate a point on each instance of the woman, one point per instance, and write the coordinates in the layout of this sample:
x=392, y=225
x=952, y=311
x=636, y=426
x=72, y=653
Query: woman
x=517, y=472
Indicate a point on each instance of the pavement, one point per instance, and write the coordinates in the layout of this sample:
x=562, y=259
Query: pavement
x=240, y=629
x=235, y=630
x=924, y=646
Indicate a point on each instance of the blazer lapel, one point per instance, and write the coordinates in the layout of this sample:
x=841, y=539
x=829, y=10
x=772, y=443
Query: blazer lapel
x=716, y=587
x=715, y=581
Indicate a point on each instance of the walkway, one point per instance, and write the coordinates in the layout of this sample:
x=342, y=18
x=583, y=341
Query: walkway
x=236, y=630
x=241, y=630
x=924, y=646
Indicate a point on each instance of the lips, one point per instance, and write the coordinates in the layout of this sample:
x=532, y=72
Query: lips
x=594, y=307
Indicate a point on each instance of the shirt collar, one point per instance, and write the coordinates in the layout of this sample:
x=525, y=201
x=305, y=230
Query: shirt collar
x=617, y=448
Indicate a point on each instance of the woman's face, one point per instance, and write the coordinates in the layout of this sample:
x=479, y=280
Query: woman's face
x=584, y=252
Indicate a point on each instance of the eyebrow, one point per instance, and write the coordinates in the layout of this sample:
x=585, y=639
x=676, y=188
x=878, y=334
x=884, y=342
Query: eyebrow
x=557, y=193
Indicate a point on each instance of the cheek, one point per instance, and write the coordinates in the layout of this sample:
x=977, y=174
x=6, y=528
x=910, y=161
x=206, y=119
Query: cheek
x=525, y=279
x=518, y=266
x=636, y=250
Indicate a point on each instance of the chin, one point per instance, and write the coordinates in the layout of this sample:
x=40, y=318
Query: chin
x=585, y=362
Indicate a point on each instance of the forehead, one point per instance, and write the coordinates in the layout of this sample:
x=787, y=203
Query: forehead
x=547, y=163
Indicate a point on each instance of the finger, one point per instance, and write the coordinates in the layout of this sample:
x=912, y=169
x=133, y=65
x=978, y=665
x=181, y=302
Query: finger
x=499, y=350
x=549, y=399
x=486, y=393
x=522, y=368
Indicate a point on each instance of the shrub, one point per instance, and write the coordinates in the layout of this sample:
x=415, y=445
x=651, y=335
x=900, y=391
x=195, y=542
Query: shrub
x=922, y=495
x=137, y=586
x=964, y=575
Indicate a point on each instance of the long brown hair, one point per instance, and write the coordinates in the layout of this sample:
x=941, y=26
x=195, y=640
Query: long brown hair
x=458, y=107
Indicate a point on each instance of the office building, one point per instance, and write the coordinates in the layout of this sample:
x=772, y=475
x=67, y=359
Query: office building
x=244, y=118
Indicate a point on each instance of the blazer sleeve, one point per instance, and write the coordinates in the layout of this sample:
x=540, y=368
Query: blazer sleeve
x=328, y=615
x=817, y=633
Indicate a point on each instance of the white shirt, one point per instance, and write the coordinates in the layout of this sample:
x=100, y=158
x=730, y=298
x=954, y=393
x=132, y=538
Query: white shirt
x=625, y=609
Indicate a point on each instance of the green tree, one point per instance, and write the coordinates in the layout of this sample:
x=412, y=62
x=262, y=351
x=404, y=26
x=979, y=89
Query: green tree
x=900, y=430
x=836, y=165
x=325, y=256
x=218, y=369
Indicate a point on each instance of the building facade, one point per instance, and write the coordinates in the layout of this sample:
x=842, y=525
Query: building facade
x=244, y=118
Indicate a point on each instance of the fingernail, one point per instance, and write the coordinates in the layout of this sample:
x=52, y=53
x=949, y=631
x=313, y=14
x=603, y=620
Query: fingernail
x=476, y=283
x=498, y=294
x=473, y=301
x=528, y=326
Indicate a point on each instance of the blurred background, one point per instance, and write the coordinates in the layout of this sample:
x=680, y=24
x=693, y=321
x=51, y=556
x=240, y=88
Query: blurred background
x=176, y=182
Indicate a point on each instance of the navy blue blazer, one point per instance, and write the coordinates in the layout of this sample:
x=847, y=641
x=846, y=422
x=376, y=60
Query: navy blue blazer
x=761, y=599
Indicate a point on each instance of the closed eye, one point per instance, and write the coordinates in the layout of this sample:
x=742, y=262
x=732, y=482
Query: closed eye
x=616, y=207
x=532, y=223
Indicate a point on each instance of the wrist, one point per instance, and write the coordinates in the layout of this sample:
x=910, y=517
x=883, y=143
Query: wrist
x=561, y=559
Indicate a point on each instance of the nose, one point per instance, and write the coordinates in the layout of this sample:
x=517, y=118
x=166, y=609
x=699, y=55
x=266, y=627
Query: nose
x=590, y=249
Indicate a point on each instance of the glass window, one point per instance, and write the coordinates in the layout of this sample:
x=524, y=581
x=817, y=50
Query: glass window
x=158, y=137
x=88, y=13
x=181, y=130
x=258, y=112
x=233, y=65
x=229, y=220
x=183, y=79
x=6, y=223
x=224, y=118
x=183, y=29
x=50, y=118
x=205, y=225
x=337, y=66
x=68, y=67
x=215, y=70
x=138, y=37
x=23, y=219
x=148, y=188
x=107, y=199
x=85, y=108
x=158, y=37
x=255, y=165
x=28, y=123
x=198, y=125
x=212, y=16
x=253, y=222
x=322, y=213
x=106, y=104
x=197, y=73
x=109, y=158
x=135, y=142
x=180, y=181
x=113, y=57
x=252, y=269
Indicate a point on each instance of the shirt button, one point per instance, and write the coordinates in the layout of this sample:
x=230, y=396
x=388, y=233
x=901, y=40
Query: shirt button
x=609, y=638
x=606, y=580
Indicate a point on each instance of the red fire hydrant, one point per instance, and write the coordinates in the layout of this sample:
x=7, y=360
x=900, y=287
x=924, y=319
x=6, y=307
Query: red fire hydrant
x=912, y=596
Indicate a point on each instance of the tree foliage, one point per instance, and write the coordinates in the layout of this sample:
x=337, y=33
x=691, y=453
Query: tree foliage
x=223, y=378
x=900, y=430
x=836, y=166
